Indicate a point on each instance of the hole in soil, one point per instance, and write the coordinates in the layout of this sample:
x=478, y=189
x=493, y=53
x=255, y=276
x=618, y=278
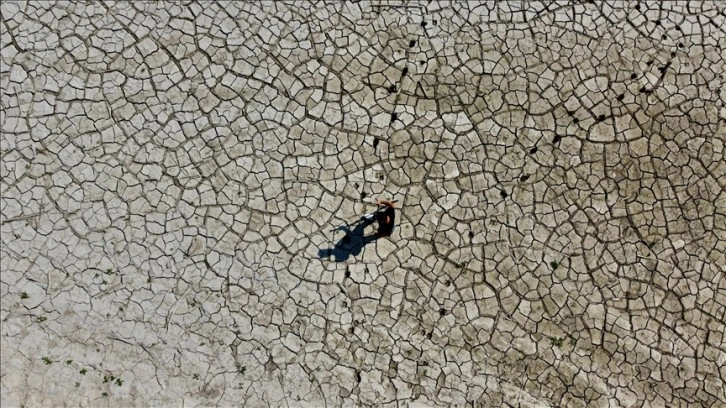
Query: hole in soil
x=392, y=88
x=601, y=118
x=405, y=71
x=363, y=195
x=533, y=150
x=556, y=139
x=412, y=43
x=633, y=76
x=375, y=142
x=442, y=311
x=423, y=24
x=394, y=116
x=471, y=234
x=503, y=193
x=524, y=178
x=621, y=97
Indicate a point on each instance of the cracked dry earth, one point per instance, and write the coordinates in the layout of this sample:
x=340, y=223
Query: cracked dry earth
x=173, y=176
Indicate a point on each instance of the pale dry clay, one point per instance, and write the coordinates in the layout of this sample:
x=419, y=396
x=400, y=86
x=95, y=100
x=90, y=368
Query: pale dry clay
x=171, y=173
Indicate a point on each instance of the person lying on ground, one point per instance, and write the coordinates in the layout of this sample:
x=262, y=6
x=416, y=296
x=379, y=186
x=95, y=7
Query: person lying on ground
x=386, y=218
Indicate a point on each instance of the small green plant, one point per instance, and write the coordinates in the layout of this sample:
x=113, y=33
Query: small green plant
x=69, y=362
x=241, y=369
x=104, y=394
x=108, y=378
x=557, y=341
x=195, y=376
x=47, y=361
x=119, y=382
x=78, y=384
x=83, y=371
x=554, y=265
x=24, y=295
x=41, y=319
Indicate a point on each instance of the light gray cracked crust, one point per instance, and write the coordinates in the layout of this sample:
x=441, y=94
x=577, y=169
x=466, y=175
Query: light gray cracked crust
x=170, y=172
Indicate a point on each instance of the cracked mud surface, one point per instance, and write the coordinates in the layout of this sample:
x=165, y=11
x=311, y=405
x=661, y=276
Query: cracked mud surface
x=173, y=175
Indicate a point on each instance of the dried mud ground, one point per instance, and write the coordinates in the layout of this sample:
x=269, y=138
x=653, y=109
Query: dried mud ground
x=177, y=180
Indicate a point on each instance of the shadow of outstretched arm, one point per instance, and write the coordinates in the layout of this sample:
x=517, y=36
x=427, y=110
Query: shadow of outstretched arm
x=350, y=245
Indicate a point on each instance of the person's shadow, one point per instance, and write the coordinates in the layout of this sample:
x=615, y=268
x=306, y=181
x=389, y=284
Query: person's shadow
x=351, y=244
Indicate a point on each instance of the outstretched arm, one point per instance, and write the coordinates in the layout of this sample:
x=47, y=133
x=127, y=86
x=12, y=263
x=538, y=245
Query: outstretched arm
x=385, y=202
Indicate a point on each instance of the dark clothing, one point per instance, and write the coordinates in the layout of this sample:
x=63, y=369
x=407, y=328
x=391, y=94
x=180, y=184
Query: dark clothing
x=386, y=221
